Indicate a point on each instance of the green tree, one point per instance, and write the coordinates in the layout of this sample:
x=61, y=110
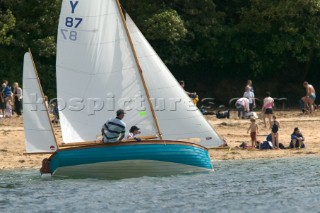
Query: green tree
x=7, y=23
x=35, y=27
x=272, y=36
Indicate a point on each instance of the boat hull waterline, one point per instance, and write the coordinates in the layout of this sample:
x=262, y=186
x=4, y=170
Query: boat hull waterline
x=130, y=159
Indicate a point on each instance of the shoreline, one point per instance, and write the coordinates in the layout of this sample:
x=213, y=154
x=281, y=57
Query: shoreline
x=235, y=132
x=12, y=146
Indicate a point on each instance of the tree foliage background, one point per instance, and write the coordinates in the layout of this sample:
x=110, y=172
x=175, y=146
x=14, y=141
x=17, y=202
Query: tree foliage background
x=214, y=45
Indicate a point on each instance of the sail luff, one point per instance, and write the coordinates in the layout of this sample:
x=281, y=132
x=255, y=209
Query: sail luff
x=39, y=137
x=140, y=70
x=42, y=94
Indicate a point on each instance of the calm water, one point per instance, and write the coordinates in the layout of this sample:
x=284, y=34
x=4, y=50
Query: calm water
x=281, y=185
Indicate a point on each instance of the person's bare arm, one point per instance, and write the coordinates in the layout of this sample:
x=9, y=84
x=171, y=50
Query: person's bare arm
x=264, y=103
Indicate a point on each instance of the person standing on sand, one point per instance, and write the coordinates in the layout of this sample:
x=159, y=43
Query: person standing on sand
x=275, y=125
x=250, y=95
x=249, y=83
x=310, y=97
x=253, y=128
x=8, y=110
x=17, y=92
x=267, y=111
x=7, y=91
x=2, y=101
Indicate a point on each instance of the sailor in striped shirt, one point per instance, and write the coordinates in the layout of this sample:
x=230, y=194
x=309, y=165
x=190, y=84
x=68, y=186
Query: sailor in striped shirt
x=114, y=128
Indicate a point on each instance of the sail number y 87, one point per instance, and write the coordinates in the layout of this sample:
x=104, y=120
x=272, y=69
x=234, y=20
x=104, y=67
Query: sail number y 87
x=71, y=22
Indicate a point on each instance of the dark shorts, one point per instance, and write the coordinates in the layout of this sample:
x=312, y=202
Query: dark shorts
x=268, y=111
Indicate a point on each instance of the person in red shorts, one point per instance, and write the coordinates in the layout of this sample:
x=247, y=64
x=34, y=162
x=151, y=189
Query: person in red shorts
x=253, y=128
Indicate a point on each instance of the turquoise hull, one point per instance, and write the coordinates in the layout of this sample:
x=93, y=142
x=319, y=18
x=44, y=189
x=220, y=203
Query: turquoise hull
x=133, y=159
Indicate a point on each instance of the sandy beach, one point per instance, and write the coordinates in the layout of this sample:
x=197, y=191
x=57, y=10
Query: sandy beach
x=12, y=146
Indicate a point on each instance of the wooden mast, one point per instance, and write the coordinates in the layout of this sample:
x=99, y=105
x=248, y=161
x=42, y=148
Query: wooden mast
x=42, y=94
x=139, y=68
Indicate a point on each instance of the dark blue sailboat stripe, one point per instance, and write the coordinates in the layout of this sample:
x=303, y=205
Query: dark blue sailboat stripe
x=115, y=124
x=112, y=131
x=110, y=137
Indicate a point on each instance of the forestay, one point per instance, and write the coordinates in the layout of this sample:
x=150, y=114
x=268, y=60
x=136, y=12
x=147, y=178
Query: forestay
x=178, y=118
x=39, y=137
x=96, y=71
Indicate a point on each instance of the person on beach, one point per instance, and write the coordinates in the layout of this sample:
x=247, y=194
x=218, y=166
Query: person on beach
x=250, y=95
x=269, y=140
x=114, y=129
x=8, y=110
x=267, y=110
x=297, y=139
x=134, y=130
x=2, y=102
x=55, y=112
x=7, y=90
x=253, y=128
x=310, y=97
x=6, y=93
x=249, y=83
x=193, y=95
x=17, y=92
x=242, y=105
x=275, y=125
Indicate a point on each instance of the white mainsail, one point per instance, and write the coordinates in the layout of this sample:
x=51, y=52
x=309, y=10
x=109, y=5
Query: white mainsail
x=96, y=71
x=39, y=137
x=178, y=118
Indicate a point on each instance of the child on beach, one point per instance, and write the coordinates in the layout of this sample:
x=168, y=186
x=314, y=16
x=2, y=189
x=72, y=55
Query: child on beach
x=8, y=110
x=253, y=128
x=275, y=125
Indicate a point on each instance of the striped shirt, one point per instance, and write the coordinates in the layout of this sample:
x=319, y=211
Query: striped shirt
x=112, y=129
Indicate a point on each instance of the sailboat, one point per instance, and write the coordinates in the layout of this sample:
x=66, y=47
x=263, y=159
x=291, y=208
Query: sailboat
x=105, y=63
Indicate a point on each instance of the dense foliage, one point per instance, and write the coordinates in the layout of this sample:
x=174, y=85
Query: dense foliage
x=214, y=45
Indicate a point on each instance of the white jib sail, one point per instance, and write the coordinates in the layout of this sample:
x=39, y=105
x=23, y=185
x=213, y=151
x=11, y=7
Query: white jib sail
x=38, y=132
x=178, y=118
x=96, y=72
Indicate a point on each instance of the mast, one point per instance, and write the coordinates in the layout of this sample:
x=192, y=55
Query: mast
x=139, y=68
x=42, y=95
